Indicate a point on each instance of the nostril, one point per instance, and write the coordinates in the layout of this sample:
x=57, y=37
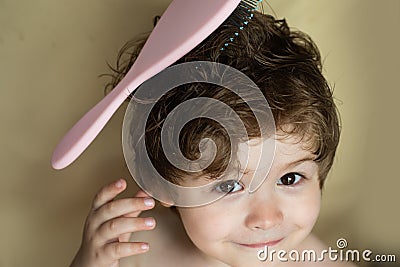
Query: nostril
x=264, y=218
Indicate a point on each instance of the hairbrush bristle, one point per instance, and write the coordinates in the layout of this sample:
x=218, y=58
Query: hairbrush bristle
x=241, y=17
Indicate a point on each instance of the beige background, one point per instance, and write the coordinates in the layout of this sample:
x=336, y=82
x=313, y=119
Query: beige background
x=51, y=53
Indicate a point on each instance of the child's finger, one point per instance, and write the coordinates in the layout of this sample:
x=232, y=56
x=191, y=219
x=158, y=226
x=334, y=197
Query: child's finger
x=114, y=228
x=115, y=251
x=125, y=237
x=120, y=207
x=108, y=193
x=141, y=193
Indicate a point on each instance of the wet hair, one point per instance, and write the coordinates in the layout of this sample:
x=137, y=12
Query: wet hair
x=286, y=66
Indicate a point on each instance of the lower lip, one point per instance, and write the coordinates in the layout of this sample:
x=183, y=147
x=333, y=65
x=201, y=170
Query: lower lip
x=262, y=245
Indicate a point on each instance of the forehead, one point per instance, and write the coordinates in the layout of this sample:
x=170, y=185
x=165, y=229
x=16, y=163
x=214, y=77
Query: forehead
x=289, y=149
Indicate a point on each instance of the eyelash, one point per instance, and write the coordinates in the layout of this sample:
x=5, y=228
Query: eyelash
x=233, y=183
x=298, y=179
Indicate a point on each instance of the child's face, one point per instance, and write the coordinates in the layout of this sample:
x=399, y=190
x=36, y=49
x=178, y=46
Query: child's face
x=280, y=214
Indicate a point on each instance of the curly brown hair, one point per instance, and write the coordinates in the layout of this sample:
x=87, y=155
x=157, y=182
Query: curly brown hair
x=286, y=66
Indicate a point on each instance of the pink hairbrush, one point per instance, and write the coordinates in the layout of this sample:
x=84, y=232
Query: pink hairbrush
x=184, y=25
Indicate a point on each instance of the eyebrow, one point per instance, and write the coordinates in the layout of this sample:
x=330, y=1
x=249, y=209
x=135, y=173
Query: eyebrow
x=301, y=160
x=287, y=165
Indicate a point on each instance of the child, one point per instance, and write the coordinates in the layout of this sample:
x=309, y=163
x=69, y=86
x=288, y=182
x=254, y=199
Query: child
x=231, y=231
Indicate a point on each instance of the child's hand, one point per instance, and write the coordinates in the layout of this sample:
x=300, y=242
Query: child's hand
x=109, y=225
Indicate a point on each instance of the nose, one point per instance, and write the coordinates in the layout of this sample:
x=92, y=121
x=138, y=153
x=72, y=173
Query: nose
x=263, y=212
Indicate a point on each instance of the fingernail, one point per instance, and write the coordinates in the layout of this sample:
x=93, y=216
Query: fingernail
x=118, y=184
x=149, y=222
x=149, y=202
x=144, y=246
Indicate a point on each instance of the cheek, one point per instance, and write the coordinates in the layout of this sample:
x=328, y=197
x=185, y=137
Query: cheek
x=206, y=226
x=303, y=210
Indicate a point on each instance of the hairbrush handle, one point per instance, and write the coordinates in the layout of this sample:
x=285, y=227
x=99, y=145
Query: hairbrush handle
x=183, y=25
x=79, y=137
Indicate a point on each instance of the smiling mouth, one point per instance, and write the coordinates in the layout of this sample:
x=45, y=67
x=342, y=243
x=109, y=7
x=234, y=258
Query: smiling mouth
x=262, y=245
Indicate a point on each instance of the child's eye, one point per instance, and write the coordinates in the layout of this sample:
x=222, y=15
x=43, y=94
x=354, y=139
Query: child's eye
x=229, y=186
x=290, y=179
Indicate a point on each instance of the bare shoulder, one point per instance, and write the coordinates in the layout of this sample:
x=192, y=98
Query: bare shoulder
x=168, y=242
